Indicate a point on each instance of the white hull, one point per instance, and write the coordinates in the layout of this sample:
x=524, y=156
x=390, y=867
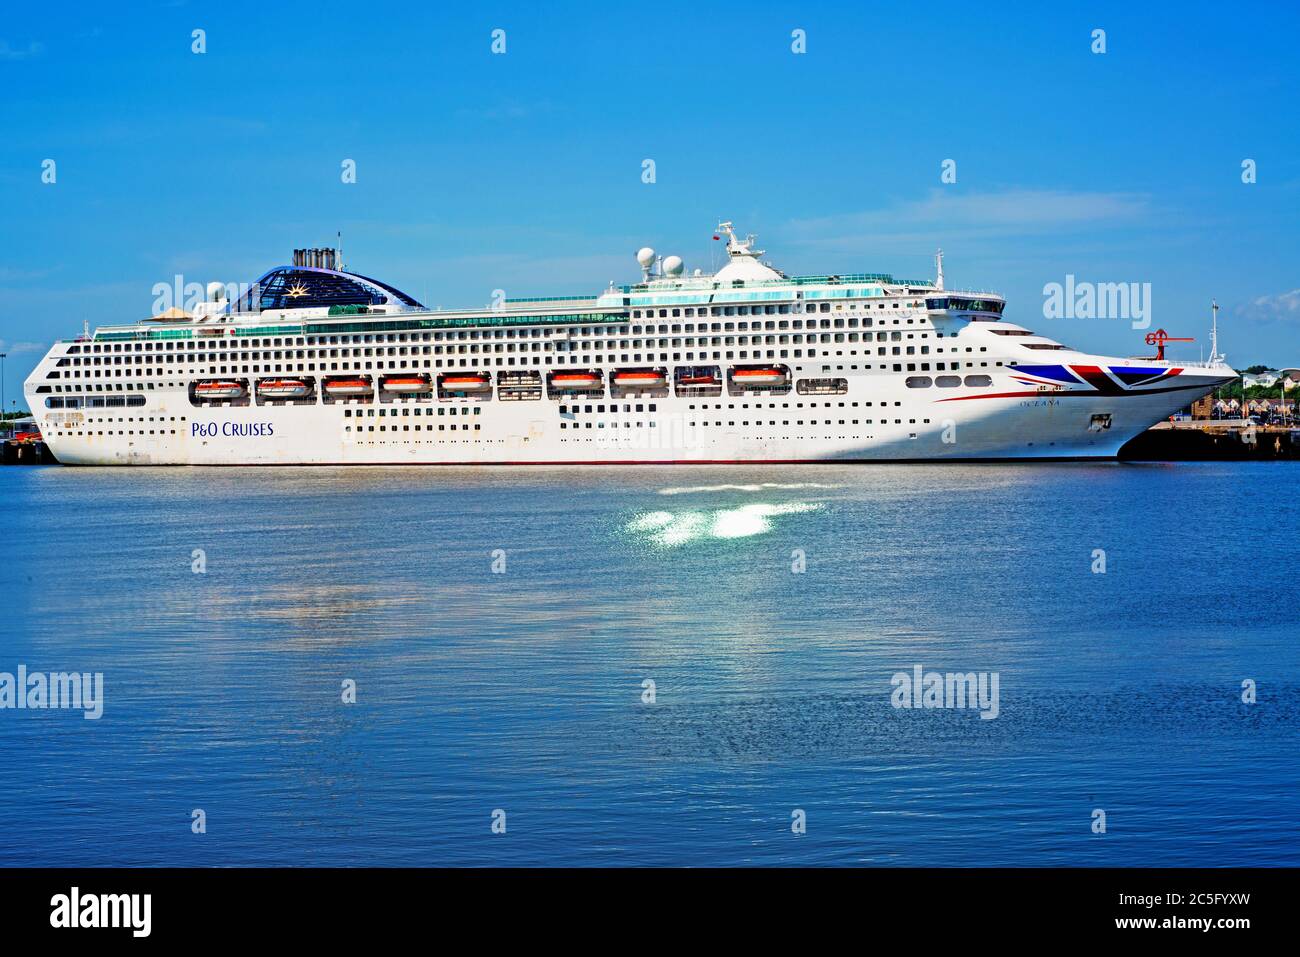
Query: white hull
x=411, y=431
x=859, y=367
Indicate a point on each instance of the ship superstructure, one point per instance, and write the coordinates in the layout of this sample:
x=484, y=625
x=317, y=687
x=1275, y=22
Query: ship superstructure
x=316, y=364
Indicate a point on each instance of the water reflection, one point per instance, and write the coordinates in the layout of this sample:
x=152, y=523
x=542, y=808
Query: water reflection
x=670, y=529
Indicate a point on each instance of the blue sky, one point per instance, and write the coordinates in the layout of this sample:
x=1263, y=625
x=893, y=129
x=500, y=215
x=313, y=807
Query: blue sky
x=523, y=171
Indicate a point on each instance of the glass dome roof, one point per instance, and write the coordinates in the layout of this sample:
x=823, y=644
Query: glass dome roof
x=305, y=287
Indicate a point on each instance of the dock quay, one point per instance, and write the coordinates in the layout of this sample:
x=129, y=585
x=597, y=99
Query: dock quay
x=26, y=453
x=21, y=443
x=1212, y=440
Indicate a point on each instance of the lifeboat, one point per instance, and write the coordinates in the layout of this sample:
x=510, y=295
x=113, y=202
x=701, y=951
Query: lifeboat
x=405, y=383
x=465, y=382
x=575, y=380
x=640, y=379
x=282, y=388
x=220, y=389
x=749, y=378
x=347, y=386
x=698, y=380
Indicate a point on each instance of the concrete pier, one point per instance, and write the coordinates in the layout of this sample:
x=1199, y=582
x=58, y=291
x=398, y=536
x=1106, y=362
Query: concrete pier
x=1212, y=440
x=26, y=453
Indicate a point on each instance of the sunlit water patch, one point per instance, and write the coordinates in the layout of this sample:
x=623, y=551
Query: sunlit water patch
x=670, y=529
x=650, y=521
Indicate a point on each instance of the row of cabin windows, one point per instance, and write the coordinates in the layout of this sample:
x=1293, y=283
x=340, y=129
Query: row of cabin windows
x=406, y=428
x=584, y=358
x=76, y=373
x=759, y=422
x=615, y=329
x=415, y=410
x=764, y=310
x=495, y=348
x=94, y=354
x=689, y=342
x=948, y=381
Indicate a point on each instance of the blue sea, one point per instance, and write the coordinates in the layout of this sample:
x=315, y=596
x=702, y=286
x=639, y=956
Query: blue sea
x=676, y=666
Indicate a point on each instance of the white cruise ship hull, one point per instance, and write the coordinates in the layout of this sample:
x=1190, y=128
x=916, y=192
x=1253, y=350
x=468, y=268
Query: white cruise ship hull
x=1005, y=421
x=315, y=365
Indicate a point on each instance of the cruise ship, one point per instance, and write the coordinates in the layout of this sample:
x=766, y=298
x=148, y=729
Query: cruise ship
x=317, y=365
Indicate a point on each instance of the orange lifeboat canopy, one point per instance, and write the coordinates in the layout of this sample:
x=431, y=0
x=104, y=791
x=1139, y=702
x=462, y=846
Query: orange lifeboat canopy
x=466, y=382
x=758, y=376
x=640, y=377
x=575, y=378
x=219, y=389
x=405, y=383
x=347, y=386
x=282, y=388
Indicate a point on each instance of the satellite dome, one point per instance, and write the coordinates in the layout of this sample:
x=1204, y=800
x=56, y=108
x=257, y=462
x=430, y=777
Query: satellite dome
x=673, y=266
x=216, y=291
x=645, y=256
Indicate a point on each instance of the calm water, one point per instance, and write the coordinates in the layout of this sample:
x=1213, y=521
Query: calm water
x=522, y=690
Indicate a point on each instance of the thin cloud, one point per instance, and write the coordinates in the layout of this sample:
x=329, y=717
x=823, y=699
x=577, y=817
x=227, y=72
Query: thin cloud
x=508, y=110
x=17, y=348
x=8, y=274
x=8, y=52
x=1284, y=306
x=1006, y=213
x=525, y=275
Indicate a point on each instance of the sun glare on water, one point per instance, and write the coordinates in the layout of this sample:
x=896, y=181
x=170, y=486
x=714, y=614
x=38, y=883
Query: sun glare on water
x=670, y=529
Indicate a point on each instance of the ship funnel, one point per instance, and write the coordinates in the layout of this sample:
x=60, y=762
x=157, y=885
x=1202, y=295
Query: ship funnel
x=320, y=258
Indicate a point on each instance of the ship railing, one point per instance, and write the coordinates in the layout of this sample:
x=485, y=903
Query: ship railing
x=297, y=325
x=956, y=291
x=1180, y=363
x=709, y=282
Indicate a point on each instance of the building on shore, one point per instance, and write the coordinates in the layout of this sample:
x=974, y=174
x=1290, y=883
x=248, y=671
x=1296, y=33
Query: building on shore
x=1266, y=409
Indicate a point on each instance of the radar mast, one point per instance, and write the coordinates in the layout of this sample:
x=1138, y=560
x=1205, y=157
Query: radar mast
x=737, y=247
